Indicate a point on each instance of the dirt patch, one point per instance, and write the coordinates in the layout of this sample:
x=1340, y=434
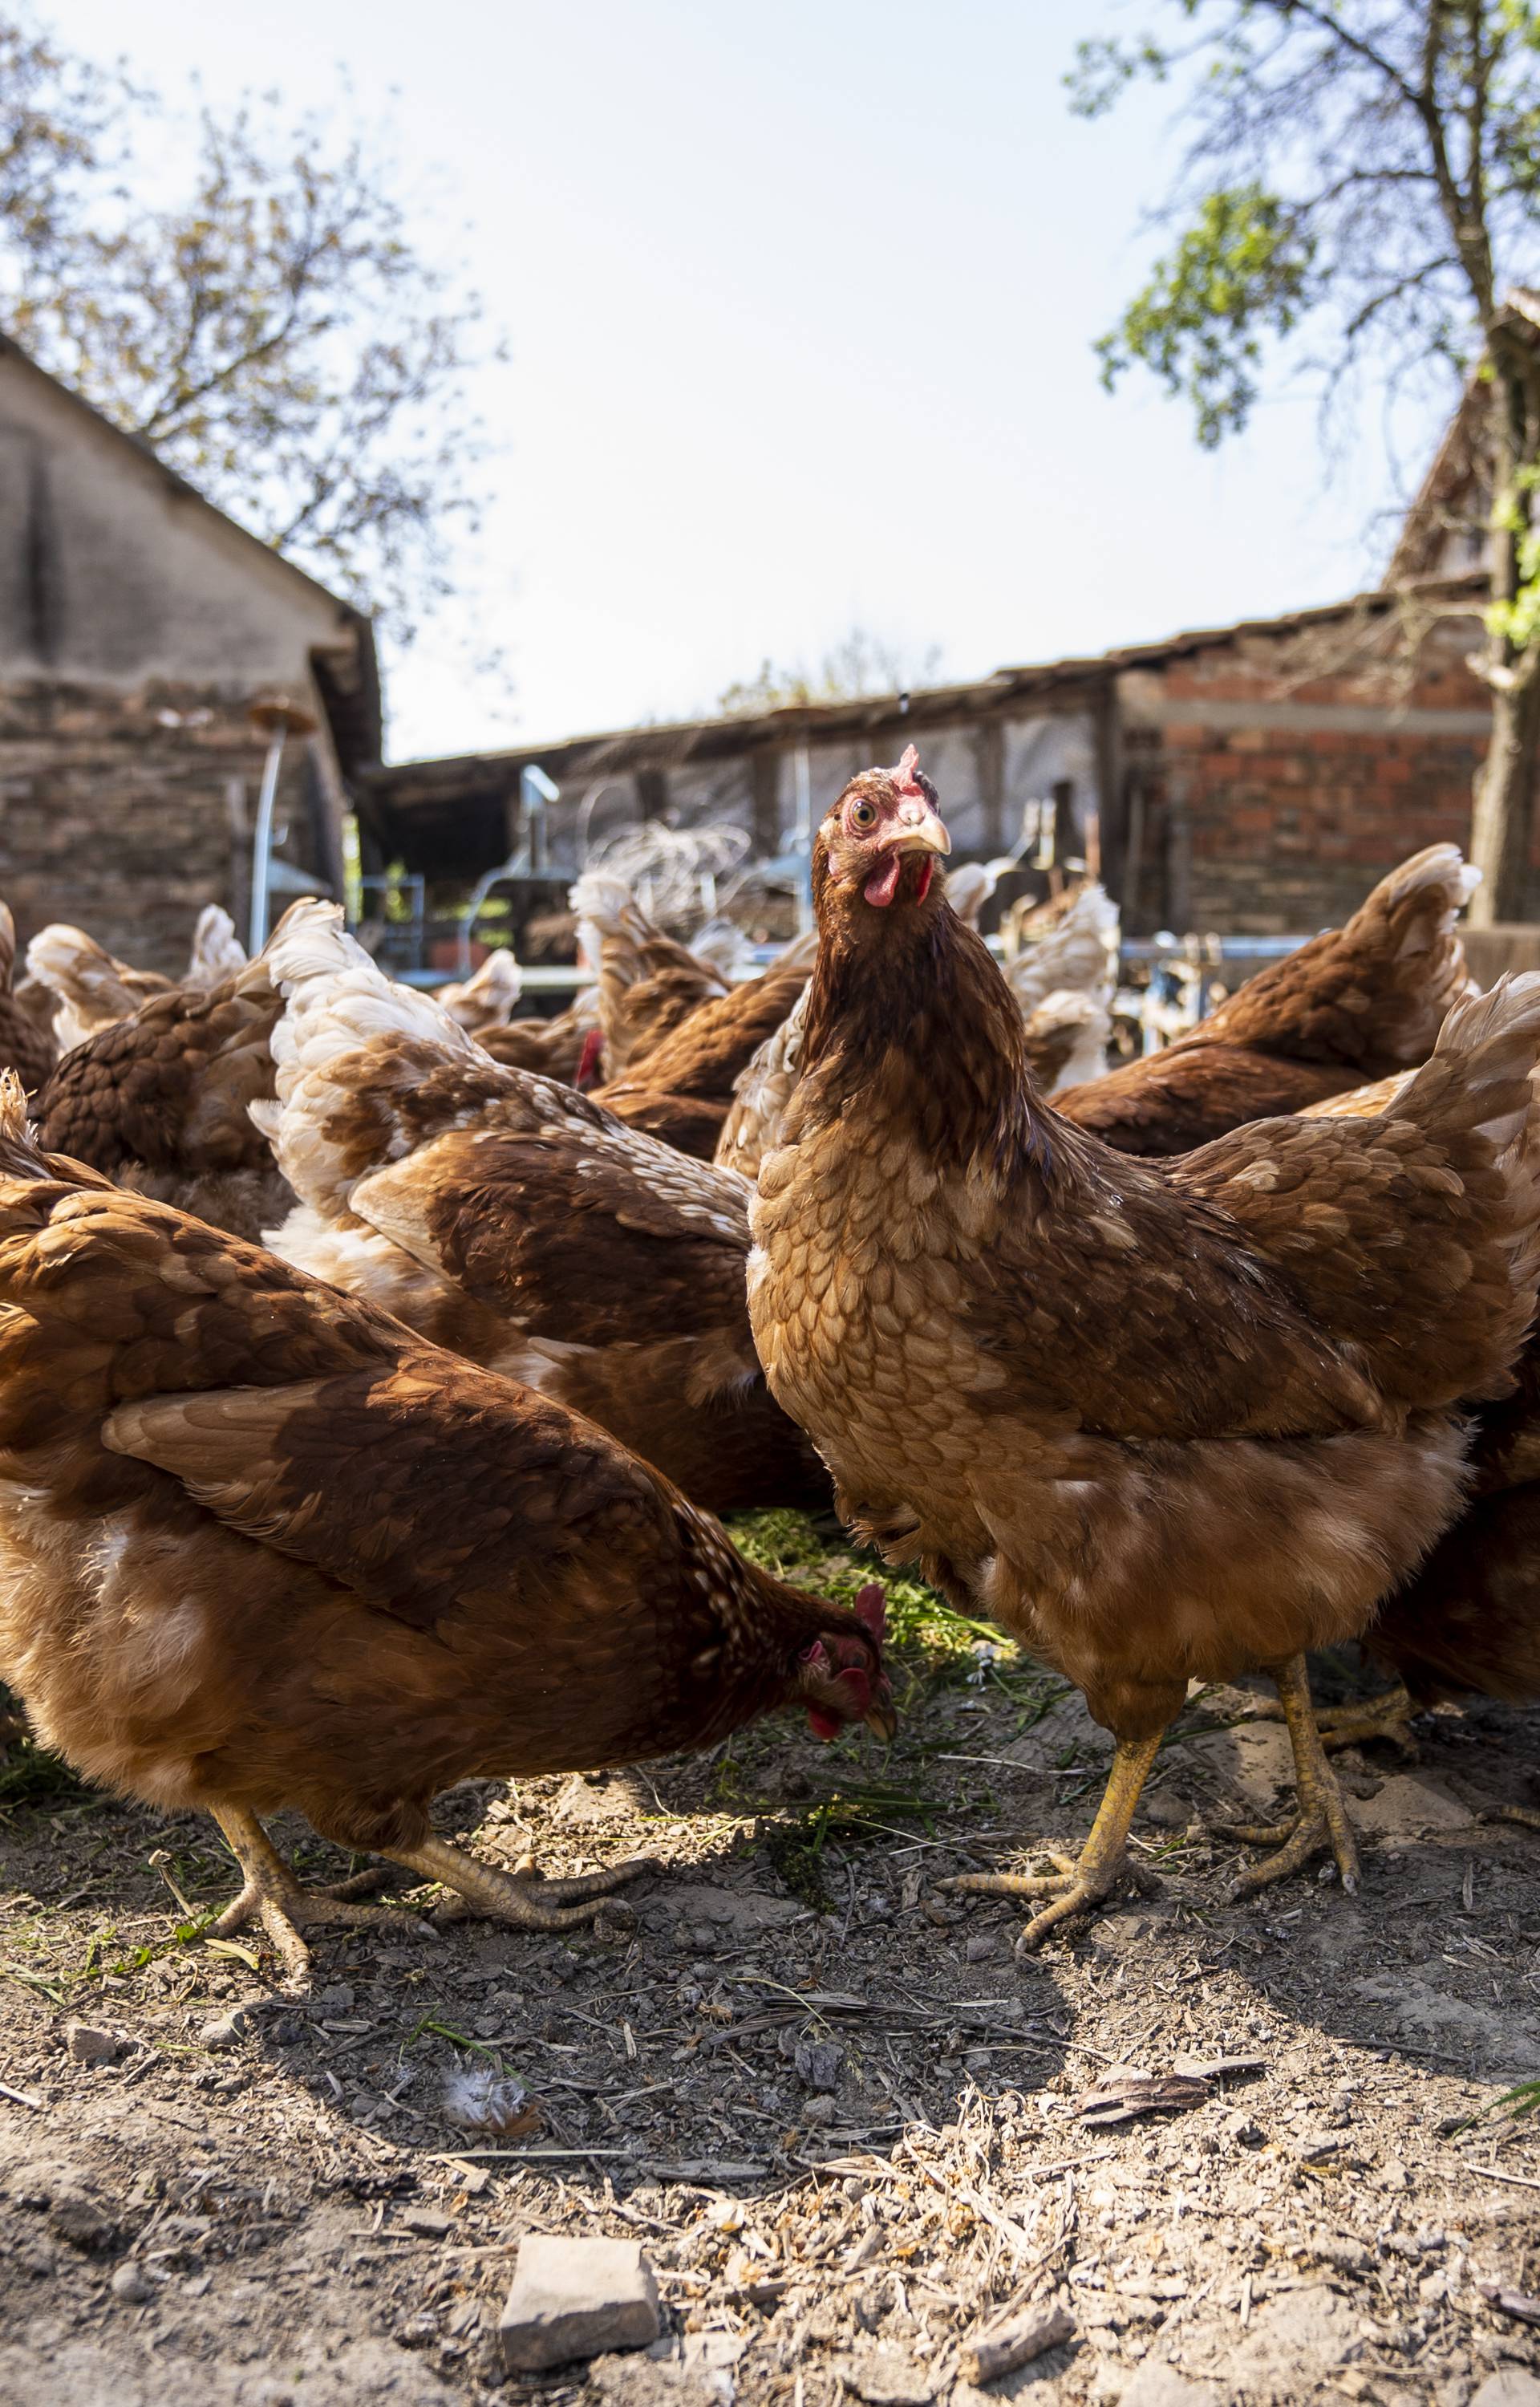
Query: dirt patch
x=845, y=2121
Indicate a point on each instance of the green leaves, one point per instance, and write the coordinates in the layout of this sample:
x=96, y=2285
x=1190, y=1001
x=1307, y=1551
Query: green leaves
x=1244, y=269
x=1104, y=68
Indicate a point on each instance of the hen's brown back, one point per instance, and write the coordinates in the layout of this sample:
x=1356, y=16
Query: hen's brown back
x=1353, y=1005
x=341, y=1569
x=170, y=1086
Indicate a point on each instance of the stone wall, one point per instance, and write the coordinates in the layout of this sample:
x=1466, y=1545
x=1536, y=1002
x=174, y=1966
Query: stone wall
x=126, y=813
x=1272, y=779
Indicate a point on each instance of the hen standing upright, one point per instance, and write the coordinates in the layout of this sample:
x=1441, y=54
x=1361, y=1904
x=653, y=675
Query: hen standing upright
x=1163, y=1423
x=262, y=1548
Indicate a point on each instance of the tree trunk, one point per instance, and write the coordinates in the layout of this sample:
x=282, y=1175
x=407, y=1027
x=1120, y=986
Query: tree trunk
x=1503, y=809
x=1505, y=785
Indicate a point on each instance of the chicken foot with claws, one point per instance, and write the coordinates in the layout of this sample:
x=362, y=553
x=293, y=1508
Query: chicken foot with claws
x=272, y=1893
x=1321, y=1820
x=1102, y=1863
x=1384, y=1716
x=525, y=1898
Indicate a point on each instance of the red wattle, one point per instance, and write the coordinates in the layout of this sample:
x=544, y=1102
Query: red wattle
x=591, y=1062
x=883, y=885
x=922, y=884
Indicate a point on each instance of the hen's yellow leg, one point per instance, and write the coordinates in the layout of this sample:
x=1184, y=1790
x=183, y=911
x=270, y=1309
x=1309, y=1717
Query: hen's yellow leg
x=1102, y=1862
x=1383, y=1716
x=1321, y=1820
x=270, y=1894
x=524, y=1898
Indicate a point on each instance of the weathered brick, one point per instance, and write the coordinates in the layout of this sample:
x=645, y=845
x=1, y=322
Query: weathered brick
x=114, y=818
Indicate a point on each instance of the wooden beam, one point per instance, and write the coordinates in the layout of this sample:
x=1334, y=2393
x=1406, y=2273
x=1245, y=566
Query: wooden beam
x=652, y=793
x=764, y=807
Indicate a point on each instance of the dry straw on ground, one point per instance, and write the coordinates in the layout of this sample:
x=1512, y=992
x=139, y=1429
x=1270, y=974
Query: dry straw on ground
x=860, y=2140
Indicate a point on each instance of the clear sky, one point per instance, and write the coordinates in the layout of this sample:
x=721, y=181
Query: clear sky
x=801, y=304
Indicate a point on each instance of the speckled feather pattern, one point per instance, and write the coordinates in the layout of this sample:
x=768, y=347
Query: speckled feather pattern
x=162, y=1099
x=1163, y=1425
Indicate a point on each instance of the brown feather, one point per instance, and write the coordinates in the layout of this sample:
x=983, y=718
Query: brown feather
x=1162, y=1425
x=264, y=1547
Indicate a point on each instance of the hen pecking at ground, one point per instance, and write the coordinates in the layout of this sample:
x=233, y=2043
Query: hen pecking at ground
x=1163, y=1423
x=261, y=1547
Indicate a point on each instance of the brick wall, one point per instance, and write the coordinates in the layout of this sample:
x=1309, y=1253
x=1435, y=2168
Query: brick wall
x=1273, y=777
x=117, y=813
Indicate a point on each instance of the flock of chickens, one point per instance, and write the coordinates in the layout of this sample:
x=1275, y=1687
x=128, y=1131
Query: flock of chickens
x=372, y=1365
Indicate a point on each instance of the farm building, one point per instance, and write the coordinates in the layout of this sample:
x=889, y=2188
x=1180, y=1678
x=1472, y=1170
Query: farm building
x=1250, y=779
x=136, y=623
x=1253, y=779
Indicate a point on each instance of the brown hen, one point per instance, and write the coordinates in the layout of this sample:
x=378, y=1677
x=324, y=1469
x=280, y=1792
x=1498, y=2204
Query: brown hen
x=517, y=1222
x=1353, y=1005
x=646, y=982
x=685, y=1088
x=1467, y=1622
x=27, y=1043
x=90, y=987
x=160, y=1101
x=262, y=1548
x=1163, y=1424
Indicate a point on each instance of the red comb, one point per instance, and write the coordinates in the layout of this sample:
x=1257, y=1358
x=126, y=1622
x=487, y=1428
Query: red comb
x=903, y=775
x=588, y=1064
x=871, y=1604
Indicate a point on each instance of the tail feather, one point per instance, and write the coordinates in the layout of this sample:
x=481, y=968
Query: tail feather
x=486, y=1000
x=20, y=1156
x=1079, y=952
x=968, y=888
x=626, y=948
x=1372, y=994
x=218, y=953
x=1478, y=1099
x=1480, y=1075
x=94, y=988
x=327, y=1126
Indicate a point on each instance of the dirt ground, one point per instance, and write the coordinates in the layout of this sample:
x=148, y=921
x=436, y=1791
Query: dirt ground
x=849, y=2128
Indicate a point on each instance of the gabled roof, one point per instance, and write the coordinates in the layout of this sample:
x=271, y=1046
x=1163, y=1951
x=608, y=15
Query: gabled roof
x=352, y=683
x=1451, y=491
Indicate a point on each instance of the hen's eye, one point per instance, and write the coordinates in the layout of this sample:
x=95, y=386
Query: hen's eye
x=863, y=815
